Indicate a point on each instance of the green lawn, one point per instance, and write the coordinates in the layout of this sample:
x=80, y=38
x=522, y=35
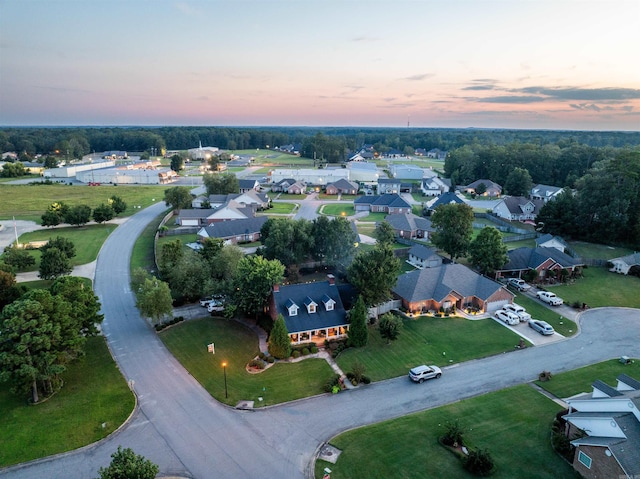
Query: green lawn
x=339, y=209
x=424, y=340
x=184, y=239
x=237, y=345
x=142, y=254
x=600, y=287
x=578, y=381
x=366, y=228
x=375, y=217
x=287, y=196
x=87, y=240
x=513, y=425
x=94, y=393
x=262, y=171
x=591, y=250
x=29, y=202
x=280, y=208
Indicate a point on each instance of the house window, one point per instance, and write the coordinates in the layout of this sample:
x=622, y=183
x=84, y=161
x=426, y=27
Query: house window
x=312, y=308
x=293, y=311
x=584, y=460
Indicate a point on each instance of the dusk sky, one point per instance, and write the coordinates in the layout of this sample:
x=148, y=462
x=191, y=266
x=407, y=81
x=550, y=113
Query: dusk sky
x=551, y=64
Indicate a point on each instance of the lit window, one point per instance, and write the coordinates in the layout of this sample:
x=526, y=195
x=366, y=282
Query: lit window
x=584, y=460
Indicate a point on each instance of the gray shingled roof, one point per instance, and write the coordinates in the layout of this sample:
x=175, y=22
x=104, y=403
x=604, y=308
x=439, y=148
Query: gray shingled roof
x=629, y=381
x=391, y=199
x=228, y=229
x=421, y=252
x=200, y=213
x=531, y=258
x=408, y=222
x=343, y=184
x=304, y=321
x=437, y=283
x=605, y=388
x=515, y=203
x=246, y=184
x=445, y=199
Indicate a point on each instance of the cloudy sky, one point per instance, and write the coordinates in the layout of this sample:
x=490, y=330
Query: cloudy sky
x=553, y=64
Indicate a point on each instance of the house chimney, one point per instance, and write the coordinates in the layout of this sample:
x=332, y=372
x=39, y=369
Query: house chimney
x=276, y=288
x=332, y=279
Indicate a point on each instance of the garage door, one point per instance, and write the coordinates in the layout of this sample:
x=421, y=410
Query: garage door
x=496, y=305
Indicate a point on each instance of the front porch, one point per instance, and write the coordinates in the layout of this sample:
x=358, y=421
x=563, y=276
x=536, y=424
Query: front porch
x=319, y=336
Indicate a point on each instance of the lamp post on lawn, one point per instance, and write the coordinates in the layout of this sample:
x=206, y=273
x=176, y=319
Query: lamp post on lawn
x=224, y=369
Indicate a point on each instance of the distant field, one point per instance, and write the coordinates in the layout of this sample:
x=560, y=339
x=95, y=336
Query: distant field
x=30, y=201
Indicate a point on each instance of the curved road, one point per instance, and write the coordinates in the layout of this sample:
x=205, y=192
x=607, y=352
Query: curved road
x=182, y=429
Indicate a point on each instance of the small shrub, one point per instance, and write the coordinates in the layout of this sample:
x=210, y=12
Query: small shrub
x=331, y=383
x=295, y=354
x=271, y=359
x=305, y=351
x=576, y=305
x=479, y=462
x=262, y=355
x=366, y=380
x=256, y=363
x=314, y=349
x=453, y=434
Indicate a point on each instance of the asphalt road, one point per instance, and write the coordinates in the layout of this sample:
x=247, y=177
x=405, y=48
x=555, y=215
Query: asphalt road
x=181, y=428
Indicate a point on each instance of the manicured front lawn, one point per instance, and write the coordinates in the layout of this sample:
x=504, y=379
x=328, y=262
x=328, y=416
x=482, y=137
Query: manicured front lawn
x=280, y=208
x=424, y=340
x=600, y=251
x=578, y=381
x=87, y=240
x=340, y=209
x=375, y=217
x=236, y=345
x=94, y=393
x=513, y=425
x=599, y=287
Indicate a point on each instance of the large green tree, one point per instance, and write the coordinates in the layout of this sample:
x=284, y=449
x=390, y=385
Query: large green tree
x=286, y=240
x=78, y=215
x=153, y=299
x=118, y=204
x=374, y=273
x=190, y=277
x=221, y=183
x=453, y=225
x=63, y=244
x=18, y=258
x=85, y=305
x=358, y=333
x=279, y=342
x=102, y=213
x=28, y=358
x=253, y=282
x=385, y=233
x=519, y=182
x=178, y=197
x=54, y=263
x=10, y=290
x=170, y=254
x=334, y=241
x=177, y=163
x=487, y=252
x=126, y=464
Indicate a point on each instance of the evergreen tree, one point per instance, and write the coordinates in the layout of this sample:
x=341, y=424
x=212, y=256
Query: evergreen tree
x=125, y=464
x=54, y=263
x=385, y=233
x=279, y=342
x=358, y=333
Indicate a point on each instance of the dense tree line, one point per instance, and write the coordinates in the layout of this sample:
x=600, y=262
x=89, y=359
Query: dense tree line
x=327, y=143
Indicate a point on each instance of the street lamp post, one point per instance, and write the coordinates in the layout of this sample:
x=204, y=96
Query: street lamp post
x=224, y=369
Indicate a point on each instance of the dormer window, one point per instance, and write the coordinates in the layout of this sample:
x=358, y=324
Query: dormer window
x=292, y=307
x=329, y=303
x=310, y=304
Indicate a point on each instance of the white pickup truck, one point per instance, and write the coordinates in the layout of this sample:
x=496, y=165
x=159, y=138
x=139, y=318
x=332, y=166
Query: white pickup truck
x=519, y=311
x=549, y=297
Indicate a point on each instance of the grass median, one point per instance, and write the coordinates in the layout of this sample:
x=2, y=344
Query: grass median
x=94, y=394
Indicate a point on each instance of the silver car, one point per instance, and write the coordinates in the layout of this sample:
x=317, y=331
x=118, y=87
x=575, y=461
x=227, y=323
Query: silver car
x=542, y=327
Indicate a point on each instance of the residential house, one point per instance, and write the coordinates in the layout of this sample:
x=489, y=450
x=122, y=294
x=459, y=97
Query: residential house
x=420, y=152
x=297, y=188
x=194, y=217
x=248, y=185
x=406, y=172
x=435, y=186
x=393, y=153
x=409, y=226
x=234, y=232
x=550, y=241
x=518, y=208
x=282, y=185
x=445, y=198
x=363, y=155
x=293, y=149
x=548, y=262
x=448, y=286
x=363, y=172
x=422, y=257
x=311, y=311
x=491, y=188
x=437, y=154
x=115, y=155
x=624, y=264
x=343, y=187
x=260, y=200
x=544, y=192
x=604, y=428
x=388, y=185
x=387, y=203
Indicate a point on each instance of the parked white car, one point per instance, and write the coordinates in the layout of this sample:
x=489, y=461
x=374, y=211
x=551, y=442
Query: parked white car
x=215, y=306
x=518, y=284
x=549, y=297
x=518, y=310
x=420, y=373
x=507, y=316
